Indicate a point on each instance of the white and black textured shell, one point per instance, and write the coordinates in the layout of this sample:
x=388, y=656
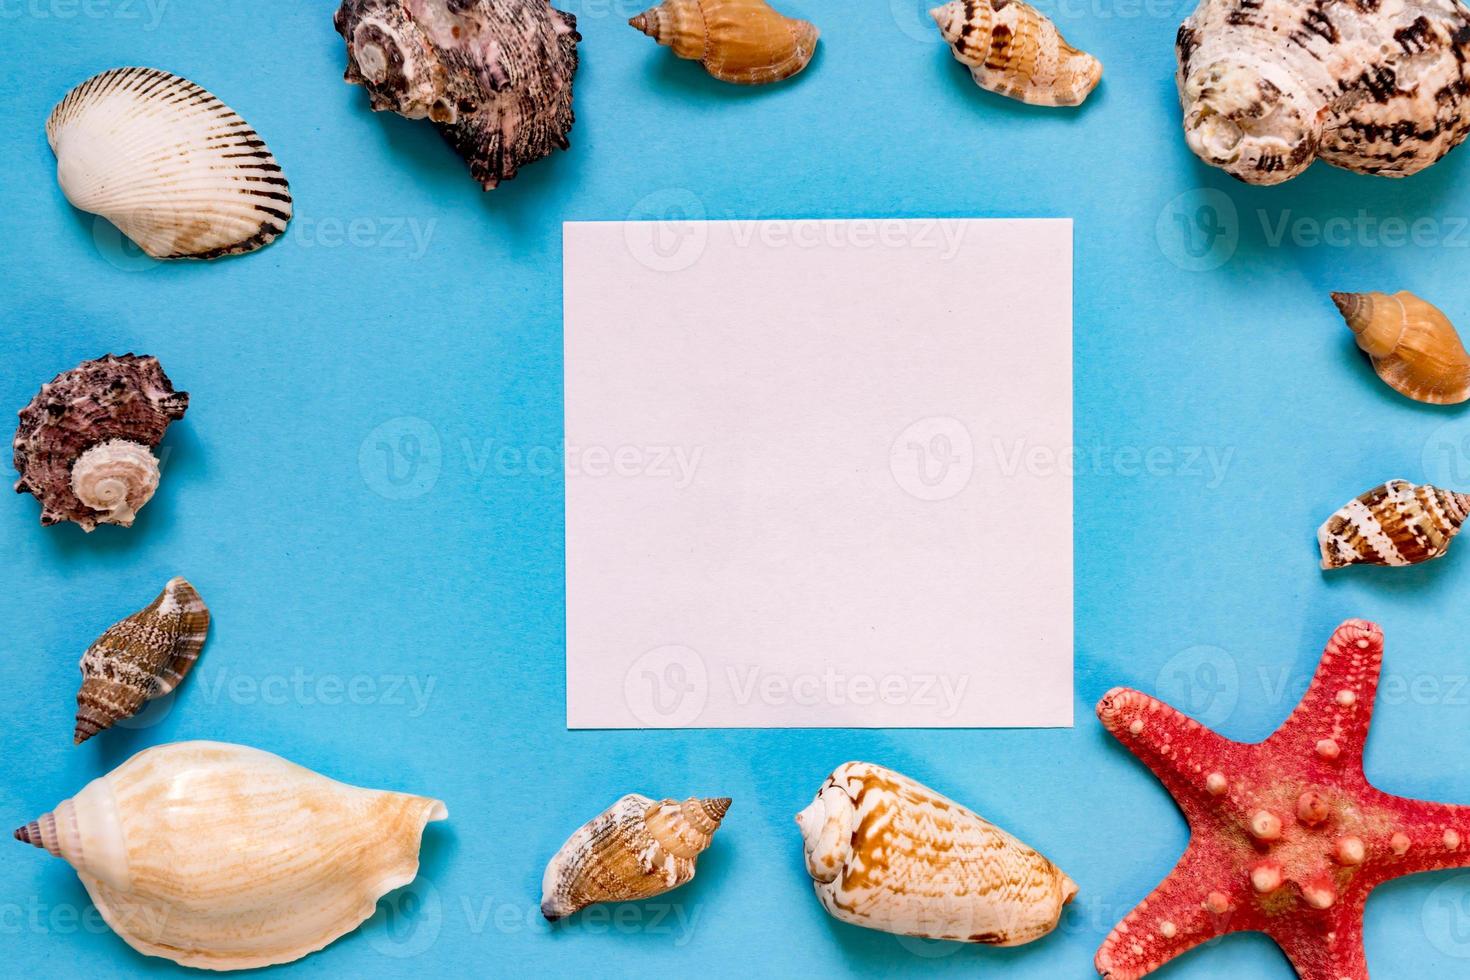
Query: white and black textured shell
x=495, y=76
x=1372, y=86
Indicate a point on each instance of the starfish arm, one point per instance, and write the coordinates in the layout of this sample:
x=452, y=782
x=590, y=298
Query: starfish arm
x=1189, y=759
x=1331, y=722
x=1418, y=836
x=1329, y=947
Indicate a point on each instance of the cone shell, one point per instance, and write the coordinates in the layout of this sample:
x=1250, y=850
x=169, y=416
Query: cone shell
x=885, y=852
x=143, y=657
x=1014, y=50
x=745, y=42
x=637, y=848
x=177, y=170
x=224, y=857
x=1396, y=523
x=1413, y=346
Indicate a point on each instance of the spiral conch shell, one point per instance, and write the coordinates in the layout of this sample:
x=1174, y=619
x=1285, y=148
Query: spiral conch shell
x=1413, y=346
x=636, y=848
x=1374, y=87
x=140, y=658
x=745, y=42
x=228, y=858
x=1013, y=49
x=1396, y=523
x=887, y=853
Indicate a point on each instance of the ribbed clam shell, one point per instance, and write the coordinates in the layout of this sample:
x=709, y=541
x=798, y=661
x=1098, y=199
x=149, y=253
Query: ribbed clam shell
x=177, y=170
x=745, y=42
x=885, y=852
x=140, y=658
x=636, y=848
x=1013, y=49
x=1413, y=346
x=1396, y=523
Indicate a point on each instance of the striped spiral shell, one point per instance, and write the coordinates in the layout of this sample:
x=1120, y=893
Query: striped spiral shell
x=1397, y=523
x=1013, y=49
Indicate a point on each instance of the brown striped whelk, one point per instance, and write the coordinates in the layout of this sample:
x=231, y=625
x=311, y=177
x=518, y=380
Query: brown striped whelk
x=885, y=852
x=1396, y=523
x=224, y=857
x=1013, y=49
x=1413, y=346
x=745, y=42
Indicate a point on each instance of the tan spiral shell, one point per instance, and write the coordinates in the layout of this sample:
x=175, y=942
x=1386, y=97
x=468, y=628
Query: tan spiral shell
x=1413, y=346
x=888, y=853
x=1014, y=50
x=745, y=42
x=636, y=848
x=1396, y=523
x=115, y=478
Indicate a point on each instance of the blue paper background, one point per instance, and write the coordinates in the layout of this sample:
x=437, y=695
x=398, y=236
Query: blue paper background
x=343, y=577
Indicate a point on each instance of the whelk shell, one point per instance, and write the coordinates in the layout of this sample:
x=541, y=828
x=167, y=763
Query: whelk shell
x=885, y=852
x=224, y=857
x=746, y=42
x=636, y=848
x=1413, y=346
x=140, y=658
x=1013, y=49
x=177, y=170
x=1396, y=523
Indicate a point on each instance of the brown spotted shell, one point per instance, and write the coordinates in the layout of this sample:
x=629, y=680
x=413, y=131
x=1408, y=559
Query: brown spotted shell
x=745, y=42
x=1013, y=49
x=1395, y=523
x=1413, y=346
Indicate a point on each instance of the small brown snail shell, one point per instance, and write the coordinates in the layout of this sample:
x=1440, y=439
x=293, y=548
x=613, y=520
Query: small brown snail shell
x=1413, y=346
x=744, y=42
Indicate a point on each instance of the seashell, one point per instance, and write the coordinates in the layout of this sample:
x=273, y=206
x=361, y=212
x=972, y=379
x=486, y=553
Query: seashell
x=1396, y=523
x=495, y=76
x=746, y=42
x=1413, y=346
x=1013, y=49
x=141, y=658
x=224, y=857
x=1268, y=86
x=82, y=440
x=887, y=853
x=177, y=170
x=636, y=848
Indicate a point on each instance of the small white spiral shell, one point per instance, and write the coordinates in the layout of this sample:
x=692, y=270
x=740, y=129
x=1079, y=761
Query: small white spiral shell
x=117, y=478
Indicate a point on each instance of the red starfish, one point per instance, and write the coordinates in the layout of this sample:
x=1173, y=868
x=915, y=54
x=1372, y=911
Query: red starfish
x=1286, y=836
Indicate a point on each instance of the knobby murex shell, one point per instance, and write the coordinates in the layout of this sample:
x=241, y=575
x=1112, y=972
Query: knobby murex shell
x=228, y=858
x=887, y=853
x=140, y=658
x=495, y=76
x=1014, y=50
x=1396, y=523
x=636, y=848
x=177, y=170
x=1268, y=86
x=746, y=42
x=1413, y=346
x=83, y=447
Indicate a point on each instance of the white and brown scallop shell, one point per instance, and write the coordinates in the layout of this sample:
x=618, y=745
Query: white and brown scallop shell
x=1395, y=523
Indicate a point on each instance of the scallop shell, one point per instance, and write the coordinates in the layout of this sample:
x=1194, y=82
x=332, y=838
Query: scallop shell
x=96, y=406
x=1268, y=86
x=1413, y=346
x=1014, y=50
x=887, y=853
x=141, y=658
x=177, y=170
x=224, y=857
x=495, y=76
x=1396, y=523
x=636, y=848
x=745, y=42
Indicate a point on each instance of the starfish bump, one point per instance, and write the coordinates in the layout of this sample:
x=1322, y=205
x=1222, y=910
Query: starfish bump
x=1287, y=837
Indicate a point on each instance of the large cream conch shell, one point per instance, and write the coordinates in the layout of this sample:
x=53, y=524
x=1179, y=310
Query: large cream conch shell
x=228, y=858
x=741, y=41
x=636, y=848
x=1413, y=346
x=887, y=853
x=1013, y=49
x=1395, y=523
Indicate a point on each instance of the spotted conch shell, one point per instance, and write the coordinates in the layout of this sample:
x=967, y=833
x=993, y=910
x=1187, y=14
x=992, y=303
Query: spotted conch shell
x=887, y=853
x=635, y=849
x=140, y=658
x=495, y=76
x=1413, y=346
x=1396, y=523
x=1268, y=86
x=224, y=857
x=84, y=444
x=745, y=42
x=1013, y=49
